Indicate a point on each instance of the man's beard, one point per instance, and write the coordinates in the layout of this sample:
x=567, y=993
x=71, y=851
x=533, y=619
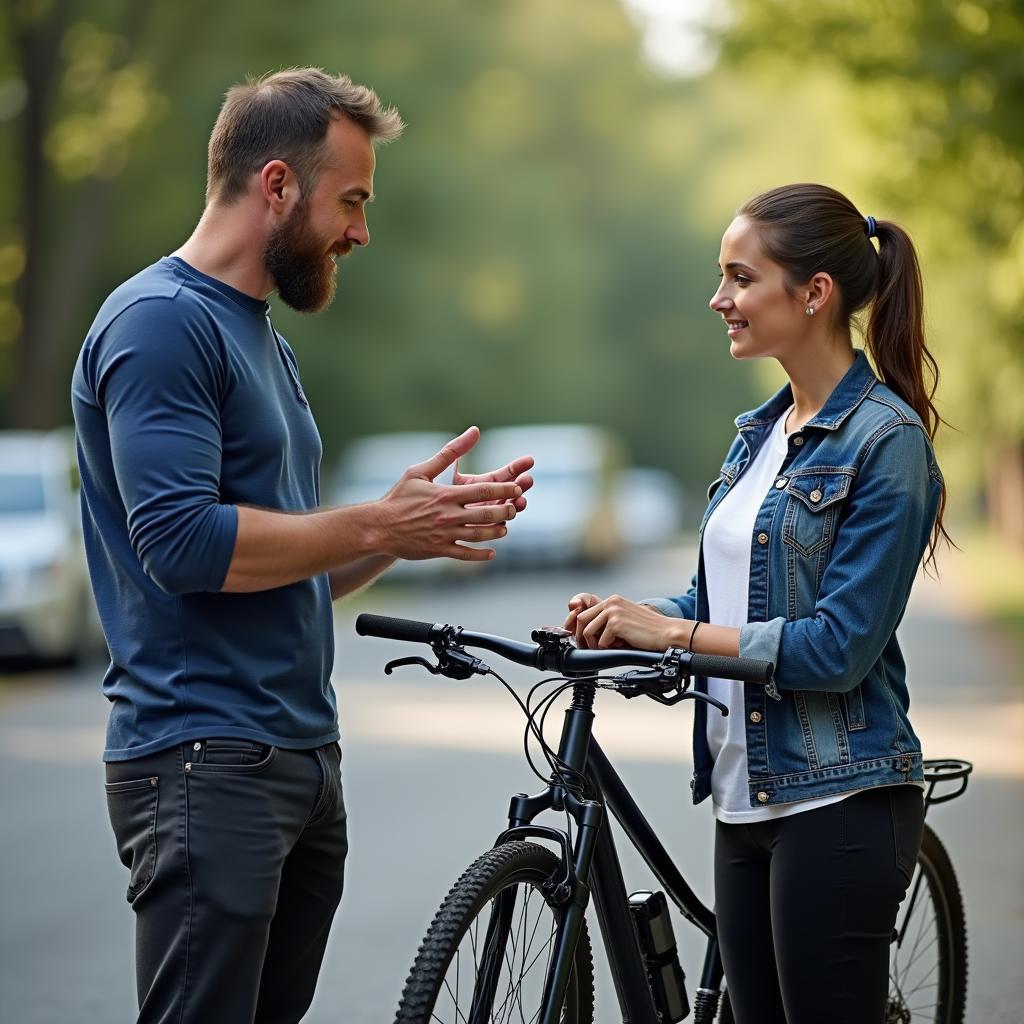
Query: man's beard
x=296, y=259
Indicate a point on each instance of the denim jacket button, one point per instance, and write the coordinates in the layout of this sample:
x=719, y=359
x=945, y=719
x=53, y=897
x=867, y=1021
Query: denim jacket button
x=762, y=538
x=798, y=441
x=755, y=717
x=781, y=482
x=762, y=797
x=815, y=495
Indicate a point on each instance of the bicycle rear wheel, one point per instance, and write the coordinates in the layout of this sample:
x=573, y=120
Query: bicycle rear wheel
x=485, y=957
x=928, y=964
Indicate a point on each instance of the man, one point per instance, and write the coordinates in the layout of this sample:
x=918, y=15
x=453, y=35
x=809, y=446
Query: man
x=214, y=569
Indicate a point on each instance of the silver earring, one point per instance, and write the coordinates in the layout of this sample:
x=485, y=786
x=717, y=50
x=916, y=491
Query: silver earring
x=809, y=311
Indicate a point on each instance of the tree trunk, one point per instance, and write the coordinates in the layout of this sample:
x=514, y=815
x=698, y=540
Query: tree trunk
x=41, y=399
x=37, y=43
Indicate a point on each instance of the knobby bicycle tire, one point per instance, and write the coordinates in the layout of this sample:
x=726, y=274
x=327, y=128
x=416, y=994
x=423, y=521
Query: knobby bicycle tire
x=516, y=867
x=725, y=1010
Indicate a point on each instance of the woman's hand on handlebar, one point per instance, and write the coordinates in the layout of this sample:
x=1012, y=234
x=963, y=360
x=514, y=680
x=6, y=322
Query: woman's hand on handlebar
x=617, y=622
x=577, y=604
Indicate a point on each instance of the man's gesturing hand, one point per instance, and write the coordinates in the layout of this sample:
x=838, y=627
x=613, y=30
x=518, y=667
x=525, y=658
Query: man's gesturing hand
x=516, y=472
x=422, y=519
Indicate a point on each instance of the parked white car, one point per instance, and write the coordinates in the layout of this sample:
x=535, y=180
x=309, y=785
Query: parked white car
x=651, y=506
x=46, y=605
x=371, y=465
x=572, y=516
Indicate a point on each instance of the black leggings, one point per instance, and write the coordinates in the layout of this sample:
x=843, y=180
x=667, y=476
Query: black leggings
x=806, y=907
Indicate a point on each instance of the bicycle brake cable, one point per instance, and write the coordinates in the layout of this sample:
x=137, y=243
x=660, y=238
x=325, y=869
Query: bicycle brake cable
x=531, y=726
x=557, y=766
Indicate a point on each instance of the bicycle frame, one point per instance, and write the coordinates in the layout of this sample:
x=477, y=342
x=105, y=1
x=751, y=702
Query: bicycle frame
x=592, y=868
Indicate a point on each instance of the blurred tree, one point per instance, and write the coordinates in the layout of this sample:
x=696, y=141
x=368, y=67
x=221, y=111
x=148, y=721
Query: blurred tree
x=533, y=253
x=77, y=86
x=940, y=89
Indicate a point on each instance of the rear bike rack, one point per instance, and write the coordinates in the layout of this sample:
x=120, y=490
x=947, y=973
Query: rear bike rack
x=940, y=772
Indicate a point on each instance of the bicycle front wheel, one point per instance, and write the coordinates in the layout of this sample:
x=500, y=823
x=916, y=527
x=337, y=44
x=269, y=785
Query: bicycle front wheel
x=928, y=963
x=485, y=958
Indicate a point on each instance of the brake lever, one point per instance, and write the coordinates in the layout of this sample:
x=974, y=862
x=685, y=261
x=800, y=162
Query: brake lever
x=696, y=695
x=452, y=662
x=456, y=663
x=402, y=662
x=669, y=671
x=681, y=695
x=633, y=685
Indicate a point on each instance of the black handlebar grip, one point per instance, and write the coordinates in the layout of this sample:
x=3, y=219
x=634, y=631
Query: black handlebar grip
x=747, y=670
x=394, y=629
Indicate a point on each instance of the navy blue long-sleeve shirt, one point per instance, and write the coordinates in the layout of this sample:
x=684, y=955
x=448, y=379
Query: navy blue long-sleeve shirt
x=187, y=404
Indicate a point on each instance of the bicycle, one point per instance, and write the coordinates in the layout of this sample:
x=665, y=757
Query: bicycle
x=510, y=941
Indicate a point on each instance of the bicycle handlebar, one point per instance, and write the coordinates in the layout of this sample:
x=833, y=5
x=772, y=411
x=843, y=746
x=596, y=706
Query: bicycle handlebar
x=567, y=660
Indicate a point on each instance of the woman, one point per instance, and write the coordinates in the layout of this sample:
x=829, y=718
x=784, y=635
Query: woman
x=827, y=501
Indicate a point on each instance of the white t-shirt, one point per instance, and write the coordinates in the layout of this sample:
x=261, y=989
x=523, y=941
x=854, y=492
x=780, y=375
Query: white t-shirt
x=727, y=542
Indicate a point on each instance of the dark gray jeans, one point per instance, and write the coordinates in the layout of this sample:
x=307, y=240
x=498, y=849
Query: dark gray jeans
x=236, y=853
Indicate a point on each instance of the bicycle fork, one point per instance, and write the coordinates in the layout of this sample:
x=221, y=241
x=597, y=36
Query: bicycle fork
x=570, y=890
x=557, y=982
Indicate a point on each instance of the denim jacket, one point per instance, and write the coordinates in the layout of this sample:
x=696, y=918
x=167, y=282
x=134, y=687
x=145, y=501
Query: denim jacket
x=835, y=548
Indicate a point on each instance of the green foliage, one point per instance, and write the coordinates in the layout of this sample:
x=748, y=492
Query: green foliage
x=532, y=257
x=545, y=236
x=937, y=86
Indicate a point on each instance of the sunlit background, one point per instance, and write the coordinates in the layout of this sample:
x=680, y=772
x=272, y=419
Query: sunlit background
x=545, y=235
x=544, y=242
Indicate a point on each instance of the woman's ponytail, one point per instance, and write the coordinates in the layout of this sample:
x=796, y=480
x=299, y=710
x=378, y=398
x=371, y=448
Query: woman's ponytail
x=895, y=341
x=895, y=332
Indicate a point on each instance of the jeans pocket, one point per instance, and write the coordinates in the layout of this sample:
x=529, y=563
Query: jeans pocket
x=232, y=751
x=232, y=756
x=132, y=806
x=906, y=804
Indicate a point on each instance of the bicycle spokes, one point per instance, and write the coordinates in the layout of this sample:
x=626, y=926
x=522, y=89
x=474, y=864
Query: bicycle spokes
x=497, y=974
x=914, y=972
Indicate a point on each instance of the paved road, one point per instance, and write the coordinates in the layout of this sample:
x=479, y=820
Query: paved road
x=429, y=767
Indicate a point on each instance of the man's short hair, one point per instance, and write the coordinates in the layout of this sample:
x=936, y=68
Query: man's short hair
x=285, y=116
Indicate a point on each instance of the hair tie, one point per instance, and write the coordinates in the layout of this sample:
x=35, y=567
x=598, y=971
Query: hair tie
x=872, y=227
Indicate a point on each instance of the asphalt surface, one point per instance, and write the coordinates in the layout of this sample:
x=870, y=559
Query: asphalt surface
x=429, y=766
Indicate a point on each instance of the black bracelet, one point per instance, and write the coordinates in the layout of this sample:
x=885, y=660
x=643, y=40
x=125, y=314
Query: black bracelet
x=693, y=633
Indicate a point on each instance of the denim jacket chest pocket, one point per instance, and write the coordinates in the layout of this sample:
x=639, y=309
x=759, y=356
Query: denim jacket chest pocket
x=814, y=500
